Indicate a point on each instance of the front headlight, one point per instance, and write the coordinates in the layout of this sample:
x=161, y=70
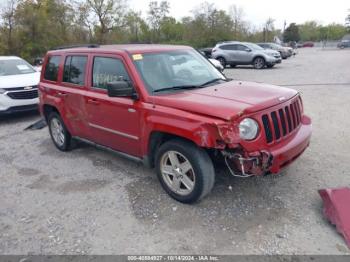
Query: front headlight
x=248, y=129
x=2, y=91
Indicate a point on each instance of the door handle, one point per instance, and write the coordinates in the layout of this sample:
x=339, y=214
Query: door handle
x=61, y=94
x=93, y=101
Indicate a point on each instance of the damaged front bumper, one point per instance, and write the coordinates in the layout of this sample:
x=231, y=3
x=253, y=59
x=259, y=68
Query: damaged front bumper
x=272, y=160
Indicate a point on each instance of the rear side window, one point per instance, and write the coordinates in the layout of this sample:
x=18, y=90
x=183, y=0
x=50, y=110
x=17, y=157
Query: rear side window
x=74, y=70
x=106, y=70
x=227, y=47
x=51, y=69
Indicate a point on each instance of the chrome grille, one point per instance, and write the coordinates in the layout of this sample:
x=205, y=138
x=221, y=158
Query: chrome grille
x=23, y=94
x=279, y=123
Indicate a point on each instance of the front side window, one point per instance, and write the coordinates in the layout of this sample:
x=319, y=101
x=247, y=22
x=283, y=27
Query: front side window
x=74, y=70
x=174, y=68
x=241, y=48
x=15, y=67
x=254, y=46
x=106, y=70
x=51, y=70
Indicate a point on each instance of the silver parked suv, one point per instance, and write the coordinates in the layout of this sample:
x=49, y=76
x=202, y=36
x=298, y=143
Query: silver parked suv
x=238, y=53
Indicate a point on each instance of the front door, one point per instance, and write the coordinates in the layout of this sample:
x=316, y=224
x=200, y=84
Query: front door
x=114, y=121
x=243, y=55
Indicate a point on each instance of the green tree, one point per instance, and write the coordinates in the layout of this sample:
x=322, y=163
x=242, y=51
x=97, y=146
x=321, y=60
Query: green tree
x=208, y=26
x=309, y=31
x=136, y=27
x=156, y=14
x=269, y=30
x=8, y=17
x=291, y=33
x=332, y=32
x=240, y=27
x=108, y=15
x=171, y=30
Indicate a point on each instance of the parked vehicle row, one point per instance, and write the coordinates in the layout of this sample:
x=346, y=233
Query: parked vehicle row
x=235, y=53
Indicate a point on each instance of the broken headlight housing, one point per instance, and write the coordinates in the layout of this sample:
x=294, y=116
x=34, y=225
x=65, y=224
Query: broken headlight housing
x=248, y=129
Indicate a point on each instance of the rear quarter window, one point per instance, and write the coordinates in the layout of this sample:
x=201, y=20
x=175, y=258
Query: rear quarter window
x=51, y=69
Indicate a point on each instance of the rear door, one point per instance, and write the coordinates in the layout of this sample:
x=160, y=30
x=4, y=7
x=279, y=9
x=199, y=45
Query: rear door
x=73, y=87
x=230, y=51
x=113, y=121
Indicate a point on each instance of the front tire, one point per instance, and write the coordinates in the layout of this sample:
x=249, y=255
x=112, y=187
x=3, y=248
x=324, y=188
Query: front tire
x=59, y=133
x=184, y=170
x=222, y=61
x=259, y=63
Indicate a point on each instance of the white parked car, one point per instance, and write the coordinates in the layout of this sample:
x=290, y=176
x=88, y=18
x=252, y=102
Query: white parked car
x=217, y=64
x=18, y=85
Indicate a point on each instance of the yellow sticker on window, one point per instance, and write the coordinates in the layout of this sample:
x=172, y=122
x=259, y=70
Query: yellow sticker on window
x=137, y=57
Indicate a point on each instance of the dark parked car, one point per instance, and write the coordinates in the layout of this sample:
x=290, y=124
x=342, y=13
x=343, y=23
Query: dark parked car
x=344, y=44
x=206, y=51
x=284, y=51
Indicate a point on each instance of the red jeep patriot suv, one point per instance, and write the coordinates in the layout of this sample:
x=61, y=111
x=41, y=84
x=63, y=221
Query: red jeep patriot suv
x=171, y=108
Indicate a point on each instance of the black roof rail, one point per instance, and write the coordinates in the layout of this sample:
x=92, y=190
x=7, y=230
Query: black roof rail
x=76, y=46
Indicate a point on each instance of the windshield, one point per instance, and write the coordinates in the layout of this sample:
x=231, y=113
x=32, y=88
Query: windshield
x=254, y=46
x=165, y=70
x=15, y=67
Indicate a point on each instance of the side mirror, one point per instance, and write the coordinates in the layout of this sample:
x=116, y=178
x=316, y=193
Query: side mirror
x=121, y=89
x=247, y=50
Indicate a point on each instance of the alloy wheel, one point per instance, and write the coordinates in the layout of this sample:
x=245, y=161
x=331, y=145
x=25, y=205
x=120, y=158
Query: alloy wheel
x=57, y=131
x=259, y=63
x=177, y=173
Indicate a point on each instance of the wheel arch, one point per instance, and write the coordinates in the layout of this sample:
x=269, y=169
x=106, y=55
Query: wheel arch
x=48, y=109
x=156, y=139
x=258, y=56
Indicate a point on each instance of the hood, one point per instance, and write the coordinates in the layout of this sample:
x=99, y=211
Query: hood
x=270, y=51
x=226, y=100
x=23, y=80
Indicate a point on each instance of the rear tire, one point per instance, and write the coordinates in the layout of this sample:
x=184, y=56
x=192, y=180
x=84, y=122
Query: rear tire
x=259, y=63
x=59, y=134
x=184, y=170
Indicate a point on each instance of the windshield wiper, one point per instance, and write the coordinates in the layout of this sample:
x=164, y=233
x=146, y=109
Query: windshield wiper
x=176, y=88
x=184, y=87
x=213, y=81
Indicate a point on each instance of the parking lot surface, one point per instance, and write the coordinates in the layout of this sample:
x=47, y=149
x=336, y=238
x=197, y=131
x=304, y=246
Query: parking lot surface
x=89, y=201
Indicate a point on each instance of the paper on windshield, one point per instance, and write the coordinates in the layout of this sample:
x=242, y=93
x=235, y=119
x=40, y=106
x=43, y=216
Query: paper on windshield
x=23, y=67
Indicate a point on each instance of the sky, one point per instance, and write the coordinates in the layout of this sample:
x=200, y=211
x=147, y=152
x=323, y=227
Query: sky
x=258, y=11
